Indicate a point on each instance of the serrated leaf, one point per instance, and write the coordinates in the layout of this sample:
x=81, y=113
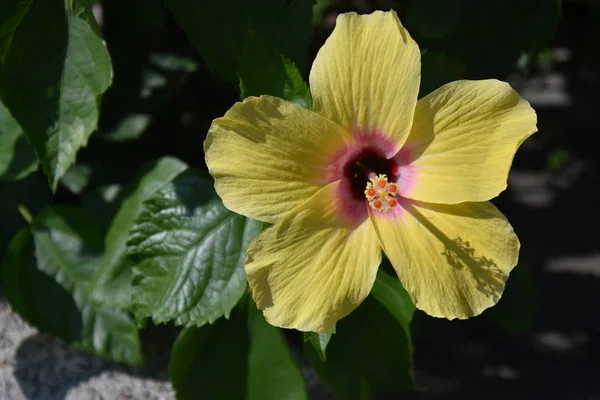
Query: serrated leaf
x=189, y=253
x=273, y=372
x=320, y=341
x=263, y=71
x=17, y=159
x=47, y=274
x=112, y=279
x=54, y=68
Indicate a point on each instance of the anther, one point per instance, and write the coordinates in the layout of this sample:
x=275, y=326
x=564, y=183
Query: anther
x=381, y=194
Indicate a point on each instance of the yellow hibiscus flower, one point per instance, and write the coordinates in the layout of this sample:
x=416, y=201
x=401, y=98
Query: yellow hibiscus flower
x=372, y=168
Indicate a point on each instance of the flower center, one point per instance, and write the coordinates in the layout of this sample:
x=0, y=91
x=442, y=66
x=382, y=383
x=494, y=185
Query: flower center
x=381, y=194
x=379, y=175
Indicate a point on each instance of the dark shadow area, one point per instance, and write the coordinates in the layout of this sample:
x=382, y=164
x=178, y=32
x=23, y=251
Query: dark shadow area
x=553, y=206
x=48, y=369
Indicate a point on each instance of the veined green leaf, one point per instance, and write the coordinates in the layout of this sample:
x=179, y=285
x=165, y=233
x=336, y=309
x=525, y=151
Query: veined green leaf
x=189, y=253
x=54, y=68
x=47, y=274
x=65, y=254
x=112, y=279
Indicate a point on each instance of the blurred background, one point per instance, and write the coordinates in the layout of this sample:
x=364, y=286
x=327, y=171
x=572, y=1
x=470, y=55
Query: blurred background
x=540, y=342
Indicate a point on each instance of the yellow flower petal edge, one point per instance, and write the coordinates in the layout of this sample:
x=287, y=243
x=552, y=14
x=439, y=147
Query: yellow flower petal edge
x=267, y=155
x=313, y=267
x=453, y=260
x=366, y=76
x=463, y=140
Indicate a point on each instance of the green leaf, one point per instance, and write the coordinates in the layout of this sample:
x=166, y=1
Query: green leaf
x=388, y=291
x=47, y=274
x=240, y=358
x=371, y=355
x=189, y=253
x=54, y=68
x=17, y=160
x=273, y=371
x=219, y=30
x=320, y=341
x=264, y=71
x=112, y=279
x=211, y=360
x=286, y=25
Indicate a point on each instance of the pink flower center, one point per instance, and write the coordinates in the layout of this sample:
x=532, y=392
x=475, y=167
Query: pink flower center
x=360, y=167
x=365, y=166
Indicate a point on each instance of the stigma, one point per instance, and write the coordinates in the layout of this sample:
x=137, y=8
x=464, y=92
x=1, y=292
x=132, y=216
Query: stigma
x=381, y=194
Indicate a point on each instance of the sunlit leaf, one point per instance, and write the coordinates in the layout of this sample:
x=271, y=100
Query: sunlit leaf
x=54, y=68
x=48, y=271
x=188, y=251
x=112, y=280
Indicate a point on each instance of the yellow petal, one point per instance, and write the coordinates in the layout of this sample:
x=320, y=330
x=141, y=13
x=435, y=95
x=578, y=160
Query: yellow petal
x=268, y=155
x=313, y=267
x=453, y=260
x=463, y=141
x=366, y=76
